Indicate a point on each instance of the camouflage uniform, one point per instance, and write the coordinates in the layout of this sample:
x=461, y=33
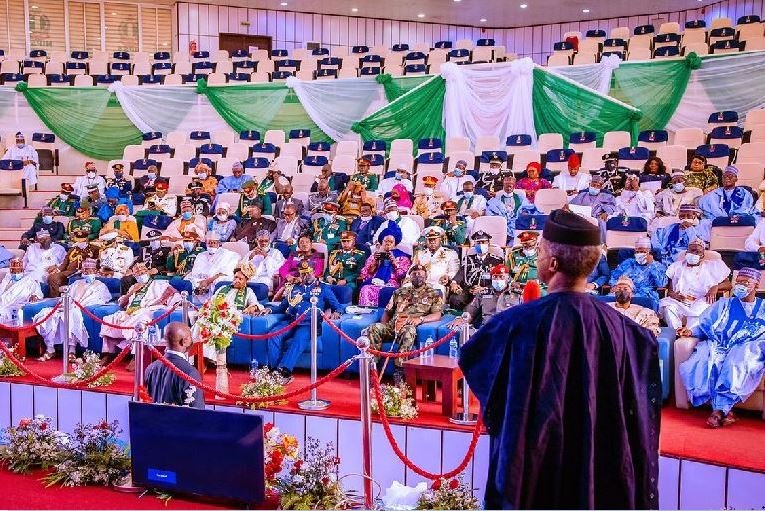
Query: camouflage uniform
x=406, y=302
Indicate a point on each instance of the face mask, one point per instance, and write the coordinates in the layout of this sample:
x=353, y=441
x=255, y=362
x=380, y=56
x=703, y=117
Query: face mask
x=188, y=246
x=212, y=250
x=118, y=175
x=47, y=219
x=186, y=215
x=740, y=291
x=122, y=218
x=82, y=245
x=365, y=218
x=399, y=177
x=482, y=248
x=678, y=187
x=151, y=175
x=222, y=217
x=202, y=175
x=593, y=191
x=155, y=244
x=142, y=279
x=622, y=296
x=641, y=258
x=20, y=145
x=428, y=192
x=498, y=285
x=458, y=173
x=528, y=252
x=692, y=259
x=89, y=278
x=15, y=277
x=418, y=280
x=691, y=222
x=91, y=174
x=392, y=215
x=63, y=196
x=467, y=195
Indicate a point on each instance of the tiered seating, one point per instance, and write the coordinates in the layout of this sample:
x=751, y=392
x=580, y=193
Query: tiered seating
x=645, y=43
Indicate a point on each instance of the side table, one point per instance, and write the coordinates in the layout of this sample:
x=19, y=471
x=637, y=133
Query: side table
x=436, y=369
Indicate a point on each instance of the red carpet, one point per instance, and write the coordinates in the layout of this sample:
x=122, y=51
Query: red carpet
x=683, y=432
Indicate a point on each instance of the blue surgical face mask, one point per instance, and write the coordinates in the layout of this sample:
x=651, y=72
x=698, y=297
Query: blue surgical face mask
x=188, y=246
x=89, y=278
x=186, y=215
x=467, y=195
x=740, y=291
x=593, y=191
x=47, y=219
x=458, y=173
x=16, y=277
x=692, y=259
x=678, y=187
x=498, y=284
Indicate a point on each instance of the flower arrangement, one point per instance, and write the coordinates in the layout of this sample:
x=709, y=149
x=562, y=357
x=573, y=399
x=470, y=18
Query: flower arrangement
x=94, y=457
x=265, y=383
x=448, y=494
x=217, y=322
x=312, y=482
x=279, y=448
x=8, y=368
x=87, y=366
x=34, y=443
x=398, y=401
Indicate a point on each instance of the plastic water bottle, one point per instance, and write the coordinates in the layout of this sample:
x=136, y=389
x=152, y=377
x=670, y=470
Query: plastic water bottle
x=453, y=348
x=428, y=344
x=423, y=354
x=253, y=367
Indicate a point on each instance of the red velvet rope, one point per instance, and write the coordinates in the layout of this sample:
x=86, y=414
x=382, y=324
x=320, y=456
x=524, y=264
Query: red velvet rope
x=400, y=454
x=79, y=383
x=388, y=354
x=13, y=328
x=260, y=337
x=123, y=327
x=236, y=397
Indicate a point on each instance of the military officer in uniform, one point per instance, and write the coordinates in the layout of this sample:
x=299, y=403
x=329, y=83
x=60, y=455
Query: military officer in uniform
x=327, y=228
x=83, y=221
x=163, y=202
x=65, y=204
x=453, y=225
x=408, y=308
x=251, y=196
x=442, y=263
x=200, y=202
x=125, y=186
x=491, y=180
x=346, y=262
x=115, y=257
x=295, y=300
x=522, y=262
x=474, y=276
x=493, y=300
x=72, y=264
x=427, y=203
x=153, y=254
x=369, y=181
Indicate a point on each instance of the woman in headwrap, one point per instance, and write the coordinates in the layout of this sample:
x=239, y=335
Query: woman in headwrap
x=222, y=222
x=532, y=182
x=386, y=268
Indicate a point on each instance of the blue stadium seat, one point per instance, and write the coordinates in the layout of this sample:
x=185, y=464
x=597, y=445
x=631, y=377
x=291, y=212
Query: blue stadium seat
x=151, y=135
x=582, y=137
x=107, y=79
x=246, y=64
x=201, y=55
x=748, y=19
x=58, y=78
x=519, y=140
x=728, y=44
x=696, y=24
x=713, y=150
x=161, y=55
x=375, y=160
x=372, y=59
x=375, y=145
x=279, y=53
x=192, y=78
x=367, y=71
x=563, y=46
x=249, y=135
x=11, y=165
x=360, y=49
x=45, y=138
x=238, y=54
x=667, y=51
x=161, y=66
x=400, y=47
x=415, y=69
x=320, y=51
x=430, y=158
x=298, y=134
x=290, y=63
x=643, y=30
x=143, y=164
x=447, y=45
x=530, y=223
x=415, y=55
x=634, y=153
x=160, y=149
x=32, y=63
x=726, y=132
x=192, y=163
x=120, y=55
x=595, y=33
x=653, y=136
x=319, y=146
x=256, y=163
x=614, y=43
x=323, y=73
x=459, y=53
x=202, y=66
x=619, y=54
x=737, y=221
x=486, y=156
x=12, y=78
x=238, y=77
x=331, y=61
x=75, y=66
x=315, y=161
x=666, y=38
x=559, y=155
x=281, y=75
x=722, y=32
x=199, y=135
x=151, y=79
x=627, y=224
x=485, y=42
x=264, y=148
x=429, y=144
x=38, y=54
x=79, y=55
x=212, y=149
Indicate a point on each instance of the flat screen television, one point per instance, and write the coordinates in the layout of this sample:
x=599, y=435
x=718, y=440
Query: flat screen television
x=209, y=453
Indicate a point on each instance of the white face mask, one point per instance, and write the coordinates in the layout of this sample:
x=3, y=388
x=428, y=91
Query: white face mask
x=155, y=244
x=19, y=144
x=222, y=217
x=678, y=187
x=482, y=248
x=89, y=278
x=641, y=258
x=63, y=196
x=143, y=279
x=122, y=218
x=202, y=175
x=212, y=250
x=529, y=251
x=428, y=192
x=91, y=174
x=692, y=259
x=151, y=175
x=82, y=245
x=392, y=215
x=498, y=284
x=365, y=218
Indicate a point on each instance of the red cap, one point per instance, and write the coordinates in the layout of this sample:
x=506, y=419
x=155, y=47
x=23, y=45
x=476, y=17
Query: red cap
x=573, y=162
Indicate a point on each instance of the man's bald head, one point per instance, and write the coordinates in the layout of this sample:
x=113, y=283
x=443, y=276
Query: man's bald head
x=178, y=336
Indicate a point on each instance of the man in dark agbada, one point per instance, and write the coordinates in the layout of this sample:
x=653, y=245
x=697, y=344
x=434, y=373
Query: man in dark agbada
x=569, y=388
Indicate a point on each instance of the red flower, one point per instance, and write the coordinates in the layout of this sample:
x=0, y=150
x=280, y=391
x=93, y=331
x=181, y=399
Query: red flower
x=325, y=481
x=24, y=423
x=454, y=484
x=223, y=314
x=436, y=485
x=277, y=457
x=297, y=466
x=223, y=306
x=103, y=425
x=336, y=461
x=43, y=426
x=268, y=427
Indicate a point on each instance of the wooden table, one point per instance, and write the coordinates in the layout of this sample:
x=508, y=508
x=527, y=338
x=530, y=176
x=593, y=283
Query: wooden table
x=438, y=369
x=19, y=337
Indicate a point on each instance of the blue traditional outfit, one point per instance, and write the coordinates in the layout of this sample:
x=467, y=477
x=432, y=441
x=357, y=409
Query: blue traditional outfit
x=647, y=278
x=728, y=363
x=669, y=241
x=722, y=202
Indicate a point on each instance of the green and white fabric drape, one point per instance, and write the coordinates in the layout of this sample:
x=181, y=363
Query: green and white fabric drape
x=89, y=119
x=595, y=76
x=490, y=100
x=334, y=105
x=415, y=115
x=726, y=82
x=564, y=106
x=395, y=87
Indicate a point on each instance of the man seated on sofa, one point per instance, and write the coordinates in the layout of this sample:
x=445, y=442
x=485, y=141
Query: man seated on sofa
x=727, y=364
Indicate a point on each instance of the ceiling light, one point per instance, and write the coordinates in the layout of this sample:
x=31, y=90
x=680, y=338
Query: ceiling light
x=482, y=20
x=523, y=6
x=457, y=0
x=355, y=9
x=421, y=15
x=586, y=11
x=114, y=14
x=283, y=4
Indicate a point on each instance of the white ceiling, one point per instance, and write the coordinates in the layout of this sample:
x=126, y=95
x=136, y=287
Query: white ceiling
x=498, y=13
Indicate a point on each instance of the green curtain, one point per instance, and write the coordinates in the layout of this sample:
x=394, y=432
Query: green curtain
x=400, y=85
x=654, y=87
x=415, y=115
x=261, y=107
x=89, y=119
x=565, y=107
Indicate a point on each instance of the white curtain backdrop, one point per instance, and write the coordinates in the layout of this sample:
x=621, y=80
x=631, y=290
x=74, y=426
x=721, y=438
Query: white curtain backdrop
x=168, y=108
x=594, y=76
x=489, y=100
x=732, y=82
x=334, y=105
